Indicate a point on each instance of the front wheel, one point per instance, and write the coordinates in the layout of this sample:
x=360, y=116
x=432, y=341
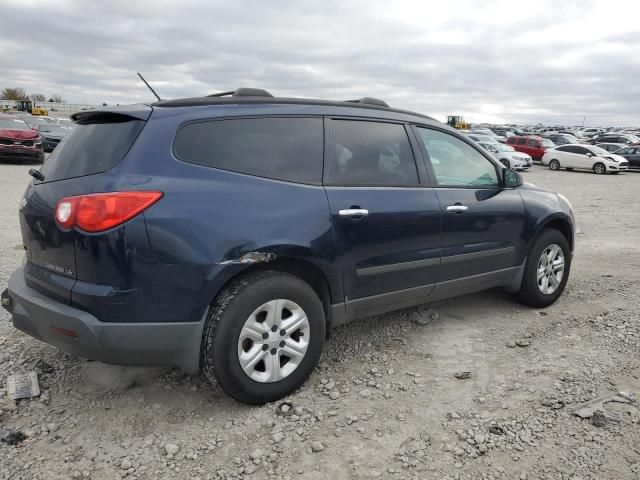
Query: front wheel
x=599, y=168
x=547, y=269
x=554, y=164
x=263, y=337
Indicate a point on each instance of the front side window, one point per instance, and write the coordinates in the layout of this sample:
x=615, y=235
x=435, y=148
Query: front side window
x=533, y=143
x=289, y=149
x=456, y=163
x=371, y=154
x=522, y=141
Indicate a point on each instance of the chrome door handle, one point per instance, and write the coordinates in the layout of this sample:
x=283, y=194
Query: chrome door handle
x=457, y=208
x=353, y=212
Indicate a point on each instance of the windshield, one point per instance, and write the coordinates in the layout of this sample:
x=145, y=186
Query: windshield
x=599, y=151
x=13, y=124
x=53, y=129
x=503, y=148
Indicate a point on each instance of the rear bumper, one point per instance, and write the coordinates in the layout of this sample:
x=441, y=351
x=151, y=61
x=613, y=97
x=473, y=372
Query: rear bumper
x=80, y=333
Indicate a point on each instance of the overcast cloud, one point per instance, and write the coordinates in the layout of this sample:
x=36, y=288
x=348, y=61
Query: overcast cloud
x=547, y=61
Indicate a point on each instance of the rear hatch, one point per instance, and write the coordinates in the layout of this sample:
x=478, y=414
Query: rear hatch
x=97, y=143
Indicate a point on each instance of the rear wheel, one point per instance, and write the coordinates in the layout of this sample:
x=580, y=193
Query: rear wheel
x=599, y=168
x=547, y=269
x=554, y=164
x=263, y=337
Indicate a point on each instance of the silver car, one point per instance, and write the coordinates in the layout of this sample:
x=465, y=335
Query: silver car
x=508, y=156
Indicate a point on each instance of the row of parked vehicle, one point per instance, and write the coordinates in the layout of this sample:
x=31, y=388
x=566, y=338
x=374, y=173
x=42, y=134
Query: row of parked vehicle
x=27, y=137
x=591, y=149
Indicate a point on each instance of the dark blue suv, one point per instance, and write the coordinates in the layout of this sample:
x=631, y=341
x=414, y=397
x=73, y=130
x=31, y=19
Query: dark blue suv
x=228, y=233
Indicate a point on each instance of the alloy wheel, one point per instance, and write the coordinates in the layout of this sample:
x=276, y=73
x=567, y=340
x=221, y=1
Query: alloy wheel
x=273, y=341
x=550, y=269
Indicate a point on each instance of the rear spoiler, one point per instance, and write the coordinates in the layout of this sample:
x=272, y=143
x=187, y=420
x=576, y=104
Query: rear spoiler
x=113, y=114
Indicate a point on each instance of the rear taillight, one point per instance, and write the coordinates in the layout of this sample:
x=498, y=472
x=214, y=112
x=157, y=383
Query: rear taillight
x=98, y=212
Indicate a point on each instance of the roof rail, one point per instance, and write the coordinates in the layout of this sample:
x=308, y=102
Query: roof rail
x=243, y=92
x=370, y=101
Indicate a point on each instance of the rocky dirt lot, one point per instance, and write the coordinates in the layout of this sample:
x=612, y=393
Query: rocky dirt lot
x=385, y=401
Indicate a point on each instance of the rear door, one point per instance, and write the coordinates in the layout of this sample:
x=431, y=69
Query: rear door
x=535, y=148
x=97, y=143
x=386, y=223
x=634, y=157
x=483, y=237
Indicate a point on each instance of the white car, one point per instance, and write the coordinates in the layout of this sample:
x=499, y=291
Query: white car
x=508, y=156
x=585, y=157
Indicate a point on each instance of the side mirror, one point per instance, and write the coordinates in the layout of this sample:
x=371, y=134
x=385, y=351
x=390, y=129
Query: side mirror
x=511, y=178
x=589, y=154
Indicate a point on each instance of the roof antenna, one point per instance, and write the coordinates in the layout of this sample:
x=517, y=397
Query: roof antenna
x=152, y=90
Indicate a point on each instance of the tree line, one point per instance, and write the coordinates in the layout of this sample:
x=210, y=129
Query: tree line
x=20, y=94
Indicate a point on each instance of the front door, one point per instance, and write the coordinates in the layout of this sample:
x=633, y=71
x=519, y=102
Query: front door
x=385, y=221
x=483, y=224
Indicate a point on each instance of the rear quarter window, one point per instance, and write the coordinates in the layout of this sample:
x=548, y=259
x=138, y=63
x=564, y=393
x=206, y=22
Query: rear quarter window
x=289, y=149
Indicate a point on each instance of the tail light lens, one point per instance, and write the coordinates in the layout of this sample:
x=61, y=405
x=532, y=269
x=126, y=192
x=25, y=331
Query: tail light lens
x=98, y=212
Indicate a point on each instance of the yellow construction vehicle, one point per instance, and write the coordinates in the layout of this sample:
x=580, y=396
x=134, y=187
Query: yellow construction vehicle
x=27, y=106
x=457, y=121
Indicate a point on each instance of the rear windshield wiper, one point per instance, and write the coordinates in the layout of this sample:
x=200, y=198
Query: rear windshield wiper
x=37, y=174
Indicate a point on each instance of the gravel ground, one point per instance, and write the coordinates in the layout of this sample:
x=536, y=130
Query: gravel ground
x=385, y=401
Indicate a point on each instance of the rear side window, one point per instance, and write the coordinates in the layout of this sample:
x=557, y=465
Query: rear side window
x=92, y=148
x=371, y=153
x=522, y=141
x=289, y=149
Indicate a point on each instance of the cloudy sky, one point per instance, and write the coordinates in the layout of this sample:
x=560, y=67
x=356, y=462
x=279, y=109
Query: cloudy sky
x=548, y=61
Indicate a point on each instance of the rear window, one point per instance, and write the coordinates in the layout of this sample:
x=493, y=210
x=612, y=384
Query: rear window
x=289, y=149
x=92, y=148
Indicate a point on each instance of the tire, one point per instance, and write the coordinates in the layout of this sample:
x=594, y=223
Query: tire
x=505, y=162
x=239, y=303
x=599, y=168
x=530, y=291
x=554, y=164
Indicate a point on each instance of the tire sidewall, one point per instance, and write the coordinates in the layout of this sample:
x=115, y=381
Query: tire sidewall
x=224, y=347
x=547, y=237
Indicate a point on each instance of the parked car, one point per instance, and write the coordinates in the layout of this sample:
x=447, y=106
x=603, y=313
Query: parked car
x=532, y=145
x=620, y=138
x=52, y=134
x=502, y=132
x=507, y=155
x=18, y=141
x=632, y=154
x=192, y=234
x=584, y=157
x=560, y=139
x=488, y=132
x=610, y=147
x=477, y=137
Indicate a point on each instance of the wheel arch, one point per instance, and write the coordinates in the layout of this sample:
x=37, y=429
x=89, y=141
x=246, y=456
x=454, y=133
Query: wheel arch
x=324, y=281
x=560, y=222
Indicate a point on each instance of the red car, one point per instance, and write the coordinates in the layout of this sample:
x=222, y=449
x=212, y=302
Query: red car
x=18, y=141
x=531, y=144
